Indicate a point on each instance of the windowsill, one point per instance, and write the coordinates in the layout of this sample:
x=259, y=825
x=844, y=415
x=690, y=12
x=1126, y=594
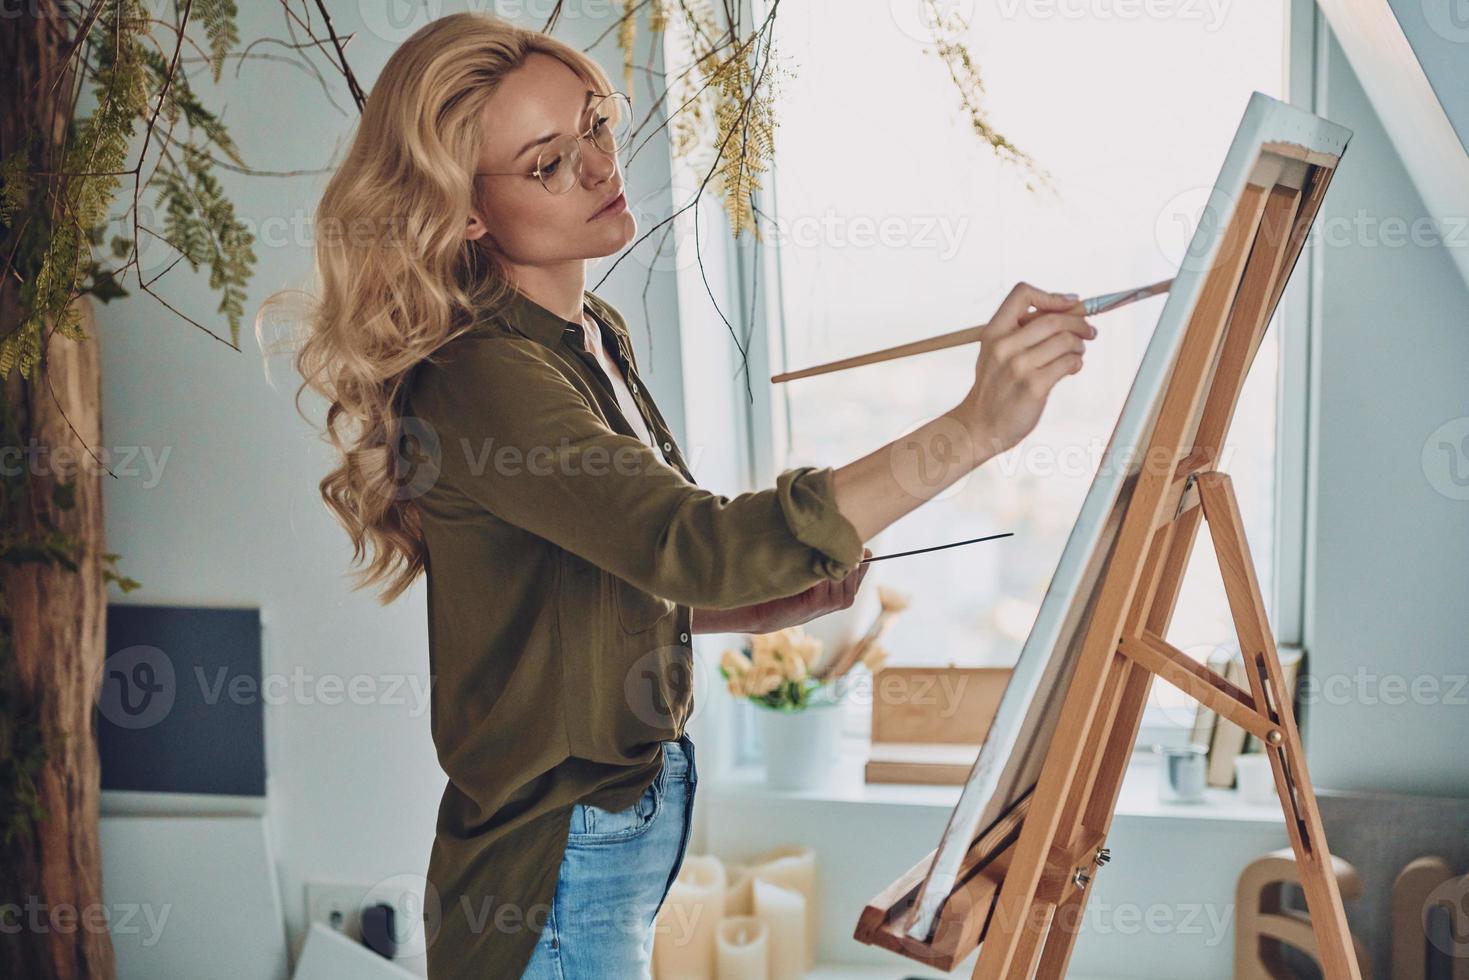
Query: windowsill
x=1138, y=799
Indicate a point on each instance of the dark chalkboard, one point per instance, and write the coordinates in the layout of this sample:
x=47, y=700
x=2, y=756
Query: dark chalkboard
x=180, y=707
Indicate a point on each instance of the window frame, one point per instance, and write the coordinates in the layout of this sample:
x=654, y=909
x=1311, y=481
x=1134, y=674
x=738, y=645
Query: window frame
x=766, y=422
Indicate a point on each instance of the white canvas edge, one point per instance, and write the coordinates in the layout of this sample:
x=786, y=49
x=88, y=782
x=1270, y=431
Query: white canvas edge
x=983, y=799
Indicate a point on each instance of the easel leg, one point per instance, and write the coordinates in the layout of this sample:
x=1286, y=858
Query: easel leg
x=1162, y=579
x=1287, y=755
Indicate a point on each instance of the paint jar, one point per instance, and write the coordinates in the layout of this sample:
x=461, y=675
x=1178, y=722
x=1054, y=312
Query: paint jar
x=1254, y=778
x=1181, y=772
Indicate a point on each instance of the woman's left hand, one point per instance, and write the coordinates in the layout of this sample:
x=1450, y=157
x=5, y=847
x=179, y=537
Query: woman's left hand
x=823, y=597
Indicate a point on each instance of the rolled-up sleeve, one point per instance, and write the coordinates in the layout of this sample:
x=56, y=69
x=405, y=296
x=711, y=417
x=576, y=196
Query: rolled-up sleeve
x=517, y=437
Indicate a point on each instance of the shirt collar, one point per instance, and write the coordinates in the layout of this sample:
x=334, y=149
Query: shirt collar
x=538, y=323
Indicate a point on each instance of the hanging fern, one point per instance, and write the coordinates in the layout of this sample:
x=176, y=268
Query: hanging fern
x=723, y=105
x=948, y=29
x=200, y=222
x=218, y=17
x=722, y=119
x=97, y=147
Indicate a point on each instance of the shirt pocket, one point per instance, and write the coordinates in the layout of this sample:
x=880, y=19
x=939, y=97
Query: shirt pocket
x=594, y=825
x=638, y=610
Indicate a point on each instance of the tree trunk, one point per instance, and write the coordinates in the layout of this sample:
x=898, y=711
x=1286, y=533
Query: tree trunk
x=51, y=881
x=58, y=618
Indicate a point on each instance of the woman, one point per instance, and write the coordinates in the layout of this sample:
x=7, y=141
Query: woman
x=568, y=553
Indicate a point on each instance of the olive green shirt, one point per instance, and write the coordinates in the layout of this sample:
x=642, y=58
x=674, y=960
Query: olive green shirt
x=565, y=557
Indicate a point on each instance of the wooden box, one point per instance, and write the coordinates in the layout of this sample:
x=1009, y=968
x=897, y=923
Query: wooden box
x=928, y=722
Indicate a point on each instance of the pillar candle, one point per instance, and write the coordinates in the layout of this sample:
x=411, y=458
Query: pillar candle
x=794, y=868
x=783, y=911
x=743, y=948
x=739, y=899
x=683, y=942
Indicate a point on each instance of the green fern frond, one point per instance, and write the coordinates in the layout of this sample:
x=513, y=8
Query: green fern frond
x=180, y=98
x=15, y=182
x=218, y=17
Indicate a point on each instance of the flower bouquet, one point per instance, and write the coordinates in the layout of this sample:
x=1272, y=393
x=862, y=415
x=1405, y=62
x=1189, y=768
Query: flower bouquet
x=785, y=674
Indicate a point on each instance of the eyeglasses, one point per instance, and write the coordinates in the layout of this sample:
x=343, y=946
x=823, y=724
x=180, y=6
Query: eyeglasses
x=559, y=164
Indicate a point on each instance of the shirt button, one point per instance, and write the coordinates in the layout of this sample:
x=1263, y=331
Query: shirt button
x=634, y=387
x=667, y=447
x=683, y=637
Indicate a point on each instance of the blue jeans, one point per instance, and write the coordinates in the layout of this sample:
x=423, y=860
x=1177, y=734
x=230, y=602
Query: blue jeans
x=614, y=876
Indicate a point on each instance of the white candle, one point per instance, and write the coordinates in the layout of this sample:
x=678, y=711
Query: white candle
x=683, y=940
x=743, y=943
x=739, y=899
x=783, y=911
x=794, y=868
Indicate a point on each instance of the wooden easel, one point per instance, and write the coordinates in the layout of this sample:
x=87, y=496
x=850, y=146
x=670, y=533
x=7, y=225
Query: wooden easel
x=1023, y=885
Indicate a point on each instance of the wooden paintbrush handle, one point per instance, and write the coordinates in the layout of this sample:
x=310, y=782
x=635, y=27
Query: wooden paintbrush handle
x=968, y=335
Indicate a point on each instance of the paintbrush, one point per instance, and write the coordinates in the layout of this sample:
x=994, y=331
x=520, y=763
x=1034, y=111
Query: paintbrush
x=969, y=335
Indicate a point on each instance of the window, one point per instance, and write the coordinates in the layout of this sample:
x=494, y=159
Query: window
x=895, y=222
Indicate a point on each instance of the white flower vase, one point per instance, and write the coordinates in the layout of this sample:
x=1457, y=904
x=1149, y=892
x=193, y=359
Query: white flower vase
x=801, y=746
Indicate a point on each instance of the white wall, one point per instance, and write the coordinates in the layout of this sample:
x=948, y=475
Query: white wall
x=1438, y=30
x=1391, y=567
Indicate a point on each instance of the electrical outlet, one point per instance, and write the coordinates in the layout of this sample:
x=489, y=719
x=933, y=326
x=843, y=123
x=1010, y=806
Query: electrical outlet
x=337, y=905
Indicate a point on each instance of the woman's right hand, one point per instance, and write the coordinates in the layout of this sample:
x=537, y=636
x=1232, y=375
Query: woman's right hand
x=1022, y=354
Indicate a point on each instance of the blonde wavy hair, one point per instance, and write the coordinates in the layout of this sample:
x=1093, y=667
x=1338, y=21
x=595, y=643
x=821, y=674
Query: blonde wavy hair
x=396, y=277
